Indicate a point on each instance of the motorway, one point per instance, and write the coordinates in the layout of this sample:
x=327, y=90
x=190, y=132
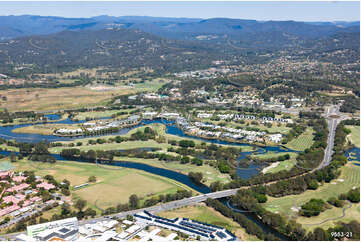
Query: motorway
x=333, y=116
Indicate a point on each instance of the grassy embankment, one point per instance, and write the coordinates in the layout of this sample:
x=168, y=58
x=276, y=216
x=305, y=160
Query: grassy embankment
x=205, y=214
x=283, y=165
x=114, y=184
x=350, y=177
x=354, y=136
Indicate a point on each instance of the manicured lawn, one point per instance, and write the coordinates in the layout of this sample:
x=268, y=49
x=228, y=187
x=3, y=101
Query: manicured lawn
x=351, y=178
x=302, y=142
x=205, y=214
x=151, y=86
x=334, y=213
x=110, y=191
x=284, y=165
x=114, y=184
x=115, y=146
x=354, y=137
x=271, y=154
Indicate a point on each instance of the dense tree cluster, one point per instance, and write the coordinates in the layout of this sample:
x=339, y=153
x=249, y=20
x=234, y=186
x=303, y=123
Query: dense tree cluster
x=7, y=117
x=313, y=207
x=196, y=177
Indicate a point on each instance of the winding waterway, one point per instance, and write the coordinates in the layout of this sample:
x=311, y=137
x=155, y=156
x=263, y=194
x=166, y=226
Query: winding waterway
x=6, y=132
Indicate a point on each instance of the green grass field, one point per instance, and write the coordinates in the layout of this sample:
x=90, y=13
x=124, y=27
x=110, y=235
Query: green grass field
x=284, y=165
x=209, y=215
x=115, y=146
x=302, y=142
x=6, y=165
x=114, y=184
x=351, y=178
x=354, y=137
x=210, y=173
x=9, y=148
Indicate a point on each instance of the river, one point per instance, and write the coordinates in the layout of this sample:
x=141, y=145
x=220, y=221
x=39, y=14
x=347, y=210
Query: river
x=171, y=128
x=6, y=132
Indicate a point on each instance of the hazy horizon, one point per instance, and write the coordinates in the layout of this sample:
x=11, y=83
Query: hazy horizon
x=260, y=11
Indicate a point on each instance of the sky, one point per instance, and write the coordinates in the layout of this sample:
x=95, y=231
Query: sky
x=285, y=10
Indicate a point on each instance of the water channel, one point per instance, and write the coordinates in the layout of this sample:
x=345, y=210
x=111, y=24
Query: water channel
x=6, y=132
x=171, y=128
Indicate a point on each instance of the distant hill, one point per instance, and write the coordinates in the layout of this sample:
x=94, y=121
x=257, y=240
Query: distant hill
x=124, y=48
x=178, y=28
x=166, y=44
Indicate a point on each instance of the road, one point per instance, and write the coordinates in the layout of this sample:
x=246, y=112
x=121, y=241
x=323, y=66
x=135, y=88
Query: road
x=333, y=116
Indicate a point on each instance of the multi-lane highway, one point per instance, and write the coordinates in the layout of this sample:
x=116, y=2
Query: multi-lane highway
x=333, y=116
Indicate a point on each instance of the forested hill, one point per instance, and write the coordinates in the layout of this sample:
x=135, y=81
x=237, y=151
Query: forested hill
x=126, y=48
x=167, y=44
x=212, y=29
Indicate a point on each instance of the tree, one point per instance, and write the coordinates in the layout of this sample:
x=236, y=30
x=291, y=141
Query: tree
x=196, y=177
x=92, y=179
x=354, y=195
x=12, y=157
x=65, y=209
x=66, y=192
x=216, y=186
x=90, y=212
x=261, y=198
x=80, y=204
x=313, y=185
x=133, y=201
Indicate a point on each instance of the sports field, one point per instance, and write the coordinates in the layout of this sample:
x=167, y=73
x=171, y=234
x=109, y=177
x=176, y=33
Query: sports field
x=302, y=142
x=206, y=214
x=350, y=177
x=114, y=184
x=354, y=137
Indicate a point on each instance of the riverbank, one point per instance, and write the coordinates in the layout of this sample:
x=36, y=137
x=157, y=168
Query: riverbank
x=115, y=184
x=211, y=174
